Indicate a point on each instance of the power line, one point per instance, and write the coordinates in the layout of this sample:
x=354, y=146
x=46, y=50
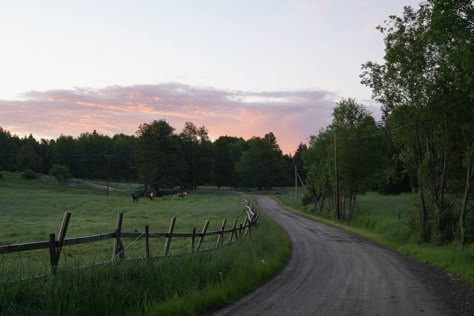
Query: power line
x=377, y=133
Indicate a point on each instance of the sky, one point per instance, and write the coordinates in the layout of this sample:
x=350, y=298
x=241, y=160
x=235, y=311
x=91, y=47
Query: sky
x=241, y=68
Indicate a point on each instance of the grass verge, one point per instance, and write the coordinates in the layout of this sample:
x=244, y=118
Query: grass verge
x=179, y=285
x=379, y=226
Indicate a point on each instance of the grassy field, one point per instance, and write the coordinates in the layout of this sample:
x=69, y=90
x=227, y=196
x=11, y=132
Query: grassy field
x=178, y=285
x=390, y=221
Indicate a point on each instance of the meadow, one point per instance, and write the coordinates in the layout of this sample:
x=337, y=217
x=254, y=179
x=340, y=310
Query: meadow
x=178, y=285
x=390, y=220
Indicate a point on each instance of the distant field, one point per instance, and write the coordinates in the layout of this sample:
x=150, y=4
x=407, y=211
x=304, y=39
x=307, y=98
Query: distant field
x=32, y=209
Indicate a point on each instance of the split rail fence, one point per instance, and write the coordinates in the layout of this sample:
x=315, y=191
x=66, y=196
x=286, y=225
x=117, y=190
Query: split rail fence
x=56, y=243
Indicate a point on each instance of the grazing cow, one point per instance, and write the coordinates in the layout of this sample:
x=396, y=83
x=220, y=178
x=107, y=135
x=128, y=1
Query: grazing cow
x=181, y=194
x=134, y=198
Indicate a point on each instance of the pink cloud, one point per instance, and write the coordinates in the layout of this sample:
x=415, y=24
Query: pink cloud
x=291, y=115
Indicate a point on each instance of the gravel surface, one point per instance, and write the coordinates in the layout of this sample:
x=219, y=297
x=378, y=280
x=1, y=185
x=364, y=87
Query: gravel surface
x=332, y=272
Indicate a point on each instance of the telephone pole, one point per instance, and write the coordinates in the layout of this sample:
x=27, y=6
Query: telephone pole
x=296, y=187
x=108, y=157
x=338, y=211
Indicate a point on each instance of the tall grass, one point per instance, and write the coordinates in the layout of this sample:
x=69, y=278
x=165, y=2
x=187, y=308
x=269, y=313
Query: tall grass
x=180, y=285
x=391, y=222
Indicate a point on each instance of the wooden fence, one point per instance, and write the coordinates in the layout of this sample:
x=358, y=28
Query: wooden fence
x=55, y=245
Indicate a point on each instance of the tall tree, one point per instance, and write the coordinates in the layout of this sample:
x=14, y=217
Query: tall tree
x=262, y=164
x=196, y=153
x=157, y=147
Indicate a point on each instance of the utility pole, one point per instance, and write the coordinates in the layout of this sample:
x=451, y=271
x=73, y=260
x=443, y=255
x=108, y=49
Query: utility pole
x=338, y=211
x=108, y=157
x=296, y=187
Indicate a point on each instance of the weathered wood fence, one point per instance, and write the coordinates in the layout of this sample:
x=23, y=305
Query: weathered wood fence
x=55, y=244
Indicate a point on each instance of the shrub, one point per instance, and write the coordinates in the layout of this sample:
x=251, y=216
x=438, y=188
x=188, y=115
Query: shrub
x=60, y=172
x=29, y=174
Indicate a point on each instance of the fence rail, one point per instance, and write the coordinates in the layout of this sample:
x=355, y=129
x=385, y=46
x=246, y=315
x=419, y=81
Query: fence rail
x=55, y=245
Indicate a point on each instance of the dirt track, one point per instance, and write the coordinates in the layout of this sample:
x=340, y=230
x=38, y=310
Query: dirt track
x=334, y=273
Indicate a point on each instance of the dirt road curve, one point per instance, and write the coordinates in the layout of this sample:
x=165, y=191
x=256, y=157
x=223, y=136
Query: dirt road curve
x=334, y=273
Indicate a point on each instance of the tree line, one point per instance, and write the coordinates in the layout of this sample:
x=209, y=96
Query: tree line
x=425, y=140
x=156, y=156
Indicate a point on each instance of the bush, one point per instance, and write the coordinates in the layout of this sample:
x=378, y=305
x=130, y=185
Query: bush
x=29, y=174
x=60, y=172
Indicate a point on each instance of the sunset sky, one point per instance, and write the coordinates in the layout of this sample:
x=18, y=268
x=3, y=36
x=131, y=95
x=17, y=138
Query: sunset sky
x=241, y=68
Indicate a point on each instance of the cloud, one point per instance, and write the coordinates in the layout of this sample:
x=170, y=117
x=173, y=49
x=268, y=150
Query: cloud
x=291, y=115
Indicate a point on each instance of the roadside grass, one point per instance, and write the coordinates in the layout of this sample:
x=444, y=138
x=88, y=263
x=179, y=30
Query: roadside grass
x=182, y=284
x=390, y=221
x=179, y=285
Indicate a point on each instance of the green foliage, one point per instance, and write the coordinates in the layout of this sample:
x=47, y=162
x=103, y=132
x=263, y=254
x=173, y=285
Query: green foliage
x=195, y=152
x=227, y=152
x=262, y=164
x=8, y=150
x=425, y=86
x=27, y=157
x=360, y=157
x=29, y=174
x=60, y=172
x=157, y=152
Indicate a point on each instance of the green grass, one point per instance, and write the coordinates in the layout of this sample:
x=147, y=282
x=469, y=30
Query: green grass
x=179, y=285
x=35, y=208
x=390, y=221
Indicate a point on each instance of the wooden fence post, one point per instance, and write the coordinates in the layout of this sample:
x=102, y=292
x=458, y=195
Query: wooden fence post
x=52, y=253
x=62, y=234
x=170, y=235
x=220, y=239
x=204, y=229
x=119, y=250
x=147, y=242
x=233, y=231
x=193, y=239
x=244, y=227
x=249, y=225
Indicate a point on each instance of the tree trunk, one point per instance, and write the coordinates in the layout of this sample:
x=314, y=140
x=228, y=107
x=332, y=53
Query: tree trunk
x=465, y=200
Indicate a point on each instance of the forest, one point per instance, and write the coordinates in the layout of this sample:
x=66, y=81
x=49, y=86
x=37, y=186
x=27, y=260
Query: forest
x=156, y=156
x=424, y=142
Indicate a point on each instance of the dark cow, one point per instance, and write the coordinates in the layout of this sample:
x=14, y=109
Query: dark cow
x=134, y=198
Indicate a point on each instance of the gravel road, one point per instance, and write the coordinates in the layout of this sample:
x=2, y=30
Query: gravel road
x=332, y=272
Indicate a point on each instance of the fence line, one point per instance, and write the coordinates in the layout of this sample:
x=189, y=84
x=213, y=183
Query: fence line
x=55, y=246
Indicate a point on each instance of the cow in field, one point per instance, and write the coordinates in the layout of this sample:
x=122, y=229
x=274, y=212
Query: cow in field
x=181, y=194
x=134, y=198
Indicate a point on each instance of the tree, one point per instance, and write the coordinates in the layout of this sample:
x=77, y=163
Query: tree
x=157, y=148
x=195, y=153
x=8, y=150
x=227, y=152
x=425, y=86
x=298, y=161
x=60, y=172
x=27, y=158
x=261, y=165
x=359, y=157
